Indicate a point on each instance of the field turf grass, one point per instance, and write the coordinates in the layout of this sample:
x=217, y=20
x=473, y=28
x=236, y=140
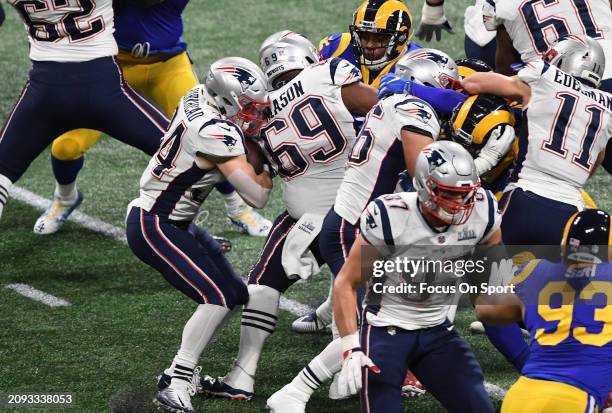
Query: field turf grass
x=124, y=323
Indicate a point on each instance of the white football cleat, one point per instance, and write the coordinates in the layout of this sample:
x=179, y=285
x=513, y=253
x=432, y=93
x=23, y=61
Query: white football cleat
x=176, y=397
x=334, y=393
x=309, y=323
x=252, y=222
x=287, y=400
x=54, y=217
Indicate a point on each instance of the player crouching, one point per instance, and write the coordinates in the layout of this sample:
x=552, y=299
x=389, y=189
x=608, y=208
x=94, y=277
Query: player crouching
x=411, y=331
x=204, y=144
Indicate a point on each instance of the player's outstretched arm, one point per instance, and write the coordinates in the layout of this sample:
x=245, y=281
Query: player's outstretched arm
x=359, y=98
x=496, y=84
x=254, y=189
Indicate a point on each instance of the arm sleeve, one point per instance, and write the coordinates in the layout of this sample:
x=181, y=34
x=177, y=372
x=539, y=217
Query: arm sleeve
x=253, y=193
x=443, y=100
x=415, y=115
x=220, y=138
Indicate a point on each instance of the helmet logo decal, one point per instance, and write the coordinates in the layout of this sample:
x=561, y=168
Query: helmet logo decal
x=435, y=160
x=434, y=57
x=245, y=78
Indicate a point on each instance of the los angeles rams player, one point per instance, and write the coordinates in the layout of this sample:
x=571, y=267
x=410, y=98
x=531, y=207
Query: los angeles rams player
x=74, y=82
x=405, y=330
x=527, y=29
x=379, y=36
x=153, y=58
x=566, y=307
x=308, y=140
x=204, y=144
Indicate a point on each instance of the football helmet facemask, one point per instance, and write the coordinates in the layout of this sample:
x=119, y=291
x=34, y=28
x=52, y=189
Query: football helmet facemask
x=237, y=87
x=446, y=181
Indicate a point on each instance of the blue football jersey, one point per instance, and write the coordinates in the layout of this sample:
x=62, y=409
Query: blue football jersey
x=156, y=29
x=568, y=312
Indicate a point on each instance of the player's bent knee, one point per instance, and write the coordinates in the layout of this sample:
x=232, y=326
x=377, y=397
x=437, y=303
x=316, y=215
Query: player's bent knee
x=67, y=148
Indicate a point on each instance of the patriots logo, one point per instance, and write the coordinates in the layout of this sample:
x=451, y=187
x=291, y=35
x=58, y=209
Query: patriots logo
x=434, y=57
x=229, y=141
x=435, y=160
x=421, y=113
x=245, y=78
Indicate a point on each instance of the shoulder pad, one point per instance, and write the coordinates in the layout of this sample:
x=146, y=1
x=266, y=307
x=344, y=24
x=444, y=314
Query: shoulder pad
x=487, y=212
x=220, y=137
x=334, y=45
x=383, y=221
x=342, y=72
x=533, y=71
x=416, y=115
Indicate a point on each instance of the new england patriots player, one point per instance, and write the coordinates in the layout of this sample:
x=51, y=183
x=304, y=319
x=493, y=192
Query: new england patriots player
x=308, y=141
x=379, y=36
x=154, y=61
x=527, y=29
x=394, y=132
x=74, y=82
x=401, y=331
x=560, y=146
x=569, y=368
x=204, y=144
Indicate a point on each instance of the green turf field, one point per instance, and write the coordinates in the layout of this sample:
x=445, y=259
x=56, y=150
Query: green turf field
x=124, y=322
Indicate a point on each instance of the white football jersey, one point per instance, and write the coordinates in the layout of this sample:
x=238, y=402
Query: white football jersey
x=310, y=134
x=68, y=30
x=533, y=25
x=391, y=223
x=565, y=126
x=377, y=157
x=173, y=185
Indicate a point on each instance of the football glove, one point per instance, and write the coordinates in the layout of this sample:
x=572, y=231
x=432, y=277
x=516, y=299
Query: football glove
x=495, y=149
x=433, y=20
x=349, y=381
x=391, y=84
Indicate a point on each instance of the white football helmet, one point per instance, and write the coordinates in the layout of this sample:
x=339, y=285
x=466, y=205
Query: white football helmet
x=237, y=87
x=284, y=51
x=429, y=67
x=580, y=56
x=446, y=181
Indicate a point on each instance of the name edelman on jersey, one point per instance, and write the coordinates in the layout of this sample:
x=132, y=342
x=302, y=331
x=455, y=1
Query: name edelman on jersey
x=569, y=81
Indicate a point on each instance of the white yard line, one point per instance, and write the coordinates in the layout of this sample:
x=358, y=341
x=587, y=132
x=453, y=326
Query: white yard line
x=118, y=233
x=37, y=295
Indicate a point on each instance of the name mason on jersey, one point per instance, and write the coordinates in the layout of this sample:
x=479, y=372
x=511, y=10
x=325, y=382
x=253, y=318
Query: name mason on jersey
x=569, y=81
x=191, y=103
x=296, y=90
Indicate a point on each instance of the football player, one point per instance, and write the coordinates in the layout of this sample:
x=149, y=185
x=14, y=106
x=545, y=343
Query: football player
x=379, y=36
x=74, y=82
x=411, y=330
x=527, y=29
x=566, y=125
x=569, y=368
x=154, y=61
x=308, y=141
x=394, y=132
x=204, y=145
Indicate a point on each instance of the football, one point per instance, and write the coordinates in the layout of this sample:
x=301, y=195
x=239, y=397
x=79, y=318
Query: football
x=255, y=155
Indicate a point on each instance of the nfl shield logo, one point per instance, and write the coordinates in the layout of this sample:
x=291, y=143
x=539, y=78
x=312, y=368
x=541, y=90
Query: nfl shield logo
x=441, y=239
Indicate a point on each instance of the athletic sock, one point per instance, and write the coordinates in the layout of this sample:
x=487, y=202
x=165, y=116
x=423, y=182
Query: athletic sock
x=258, y=323
x=234, y=204
x=321, y=369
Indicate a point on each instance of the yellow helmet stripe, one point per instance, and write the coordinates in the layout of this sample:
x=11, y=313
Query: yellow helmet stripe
x=465, y=71
x=386, y=10
x=489, y=122
x=360, y=12
x=568, y=225
x=463, y=112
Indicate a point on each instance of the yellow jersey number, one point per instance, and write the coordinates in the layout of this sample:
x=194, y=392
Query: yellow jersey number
x=564, y=314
